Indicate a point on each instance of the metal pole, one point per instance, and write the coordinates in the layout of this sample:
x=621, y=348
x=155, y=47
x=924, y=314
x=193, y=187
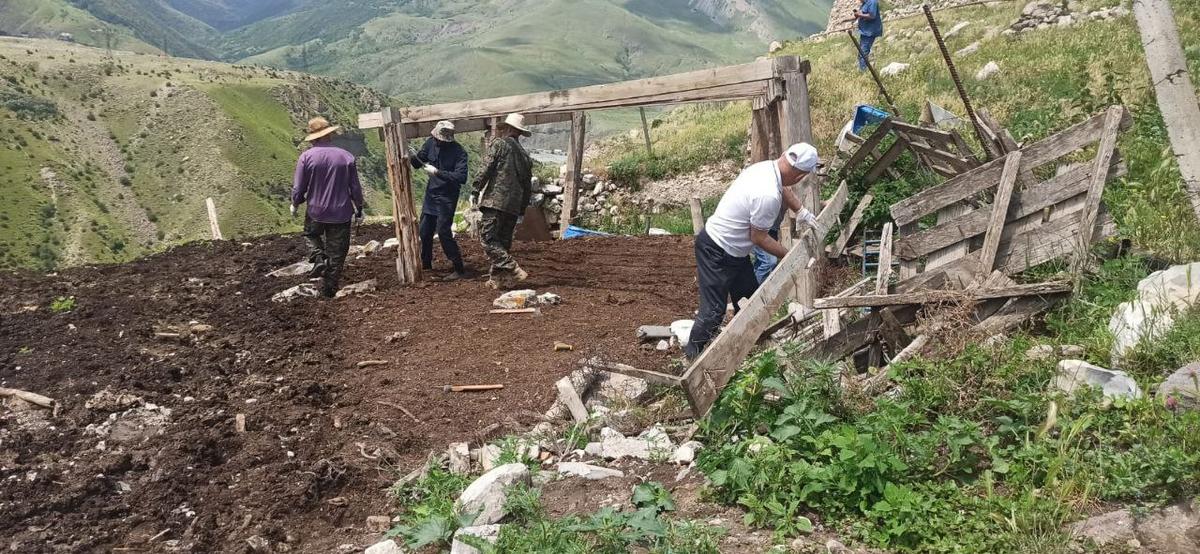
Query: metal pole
x=874, y=74
x=988, y=147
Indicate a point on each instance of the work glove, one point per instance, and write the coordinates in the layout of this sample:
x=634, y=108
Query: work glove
x=293, y=208
x=430, y=169
x=807, y=218
x=412, y=153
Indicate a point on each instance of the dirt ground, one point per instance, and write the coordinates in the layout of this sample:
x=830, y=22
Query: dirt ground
x=144, y=455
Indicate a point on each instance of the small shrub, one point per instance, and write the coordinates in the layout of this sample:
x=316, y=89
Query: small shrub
x=62, y=304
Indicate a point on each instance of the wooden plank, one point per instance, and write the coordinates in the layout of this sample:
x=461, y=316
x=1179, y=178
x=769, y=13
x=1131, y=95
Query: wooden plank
x=855, y=335
x=891, y=331
x=899, y=299
x=908, y=267
x=399, y=173
x=1014, y=313
x=213, y=223
x=697, y=210
x=626, y=93
x=869, y=145
x=884, y=273
x=851, y=226
x=1172, y=88
x=950, y=253
x=1024, y=203
x=571, y=181
x=833, y=208
x=795, y=124
x=923, y=132
x=886, y=160
x=713, y=369
x=760, y=137
x=1091, y=208
x=1000, y=207
x=934, y=155
x=988, y=174
x=375, y=120
x=646, y=131
x=653, y=377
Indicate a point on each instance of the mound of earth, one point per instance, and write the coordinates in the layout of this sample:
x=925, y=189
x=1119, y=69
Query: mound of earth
x=159, y=359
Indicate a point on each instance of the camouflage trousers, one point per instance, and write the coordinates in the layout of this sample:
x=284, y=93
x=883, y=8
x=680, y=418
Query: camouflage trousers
x=496, y=234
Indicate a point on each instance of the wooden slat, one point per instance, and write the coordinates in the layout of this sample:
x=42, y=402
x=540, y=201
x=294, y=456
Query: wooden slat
x=908, y=268
x=654, y=377
x=954, y=252
x=1091, y=208
x=880, y=300
x=713, y=369
x=891, y=330
x=884, y=273
x=833, y=208
x=855, y=335
x=948, y=159
x=869, y=145
x=628, y=93
x=574, y=176
x=988, y=174
x=1000, y=207
x=851, y=226
x=886, y=160
x=1024, y=203
x=923, y=132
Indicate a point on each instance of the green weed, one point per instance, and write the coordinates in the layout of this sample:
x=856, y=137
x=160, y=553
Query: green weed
x=62, y=304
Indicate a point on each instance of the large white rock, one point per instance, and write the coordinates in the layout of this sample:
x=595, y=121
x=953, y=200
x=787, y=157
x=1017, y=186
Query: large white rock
x=894, y=68
x=460, y=458
x=386, y=547
x=486, y=496
x=615, y=387
x=968, y=50
x=1182, y=388
x=489, y=533
x=1073, y=374
x=988, y=71
x=686, y=453
x=1159, y=298
x=515, y=299
x=588, y=471
x=1113, y=528
x=652, y=443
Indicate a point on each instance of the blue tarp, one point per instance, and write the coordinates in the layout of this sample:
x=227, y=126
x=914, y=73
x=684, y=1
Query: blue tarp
x=867, y=115
x=576, y=232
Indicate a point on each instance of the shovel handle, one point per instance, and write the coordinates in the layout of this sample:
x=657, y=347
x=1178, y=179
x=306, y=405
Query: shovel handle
x=471, y=388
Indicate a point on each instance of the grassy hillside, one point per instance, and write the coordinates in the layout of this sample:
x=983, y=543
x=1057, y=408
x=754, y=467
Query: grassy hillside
x=49, y=18
x=107, y=159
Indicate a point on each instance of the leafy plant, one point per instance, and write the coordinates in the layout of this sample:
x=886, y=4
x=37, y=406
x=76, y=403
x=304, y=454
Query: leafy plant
x=62, y=304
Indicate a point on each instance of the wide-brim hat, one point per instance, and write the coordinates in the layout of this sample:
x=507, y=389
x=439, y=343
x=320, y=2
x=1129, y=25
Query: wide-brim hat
x=319, y=127
x=517, y=121
x=443, y=131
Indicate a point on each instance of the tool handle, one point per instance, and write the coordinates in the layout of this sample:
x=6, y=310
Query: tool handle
x=474, y=388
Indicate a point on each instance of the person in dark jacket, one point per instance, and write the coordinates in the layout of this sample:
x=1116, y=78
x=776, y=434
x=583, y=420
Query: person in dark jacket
x=327, y=181
x=446, y=163
x=503, y=189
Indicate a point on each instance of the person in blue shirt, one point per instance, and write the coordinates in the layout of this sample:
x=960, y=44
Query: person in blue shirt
x=446, y=163
x=870, y=28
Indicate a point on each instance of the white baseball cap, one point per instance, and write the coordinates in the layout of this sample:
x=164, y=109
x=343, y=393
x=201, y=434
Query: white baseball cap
x=803, y=156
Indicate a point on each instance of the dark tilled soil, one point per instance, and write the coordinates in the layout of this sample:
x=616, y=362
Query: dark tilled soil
x=324, y=439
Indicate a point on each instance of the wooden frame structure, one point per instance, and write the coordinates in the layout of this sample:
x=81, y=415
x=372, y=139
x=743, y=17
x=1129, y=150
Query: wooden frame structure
x=778, y=88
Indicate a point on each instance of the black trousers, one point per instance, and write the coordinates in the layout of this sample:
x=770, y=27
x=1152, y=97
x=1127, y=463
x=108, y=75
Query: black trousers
x=328, y=244
x=723, y=279
x=439, y=225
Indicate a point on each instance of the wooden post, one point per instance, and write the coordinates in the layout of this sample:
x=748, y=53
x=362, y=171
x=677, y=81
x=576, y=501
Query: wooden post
x=213, y=224
x=761, y=126
x=884, y=272
x=1091, y=207
x=646, y=131
x=991, y=239
x=574, y=174
x=1172, y=88
x=399, y=172
x=697, y=215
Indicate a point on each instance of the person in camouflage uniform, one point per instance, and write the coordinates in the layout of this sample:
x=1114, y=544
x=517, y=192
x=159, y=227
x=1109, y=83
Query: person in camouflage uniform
x=503, y=189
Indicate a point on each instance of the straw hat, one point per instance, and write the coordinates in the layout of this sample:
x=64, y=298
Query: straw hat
x=319, y=127
x=444, y=131
x=517, y=121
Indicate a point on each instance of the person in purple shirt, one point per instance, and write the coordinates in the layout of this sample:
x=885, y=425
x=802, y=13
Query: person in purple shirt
x=327, y=181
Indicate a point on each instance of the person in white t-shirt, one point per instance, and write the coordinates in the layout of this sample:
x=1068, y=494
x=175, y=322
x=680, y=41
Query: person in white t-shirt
x=752, y=206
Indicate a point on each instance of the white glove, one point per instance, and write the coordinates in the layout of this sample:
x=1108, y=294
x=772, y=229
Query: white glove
x=520, y=220
x=293, y=208
x=430, y=169
x=359, y=218
x=807, y=218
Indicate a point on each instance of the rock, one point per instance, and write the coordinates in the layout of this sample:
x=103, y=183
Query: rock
x=774, y=47
x=598, y=190
x=686, y=453
x=590, y=179
x=549, y=298
x=514, y=300
x=652, y=443
x=987, y=72
x=552, y=190
x=1075, y=373
x=1172, y=530
x=1182, y=388
x=386, y=547
x=1071, y=351
x=1152, y=313
x=460, y=458
x=489, y=533
x=656, y=232
x=1066, y=21
x=968, y=49
x=571, y=400
x=299, y=291
x=581, y=381
x=109, y=401
x=391, y=243
x=535, y=184
x=486, y=496
x=1038, y=9
x=296, y=269
x=488, y=455
x=1041, y=352
x=200, y=329
x=956, y=28
x=257, y=543
x=1112, y=528
x=358, y=288
x=371, y=247
x=663, y=346
x=618, y=388
x=588, y=471
x=379, y=524
x=894, y=68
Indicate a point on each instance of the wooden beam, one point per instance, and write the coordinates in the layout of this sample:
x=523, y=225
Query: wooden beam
x=856, y=335
x=884, y=273
x=1000, y=206
x=851, y=226
x=1172, y=88
x=886, y=160
x=399, y=173
x=1091, y=207
x=709, y=374
x=929, y=297
x=761, y=137
x=833, y=208
x=574, y=176
x=988, y=174
x=213, y=224
x=680, y=87
x=868, y=146
x=375, y=120
x=646, y=131
x=653, y=377
x=697, y=209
